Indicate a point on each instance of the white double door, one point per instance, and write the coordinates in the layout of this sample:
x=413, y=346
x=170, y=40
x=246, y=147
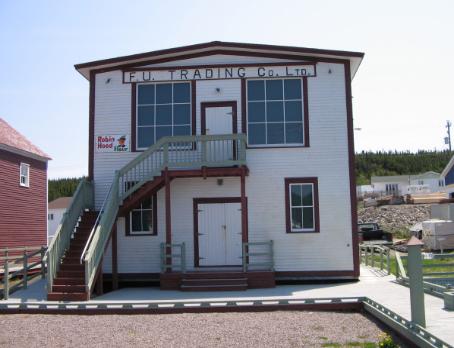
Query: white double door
x=219, y=229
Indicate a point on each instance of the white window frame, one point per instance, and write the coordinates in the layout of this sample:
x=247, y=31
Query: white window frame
x=266, y=120
x=139, y=233
x=26, y=176
x=302, y=207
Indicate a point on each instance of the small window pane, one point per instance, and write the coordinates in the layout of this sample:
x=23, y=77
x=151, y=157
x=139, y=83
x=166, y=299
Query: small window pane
x=163, y=132
x=164, y=93
x=308, y=217
x=182, y=130
x=147, y=220
x=145, y=136
x=163, y=115
x=292, y=89
x=257, y=133
x=297, y=218
x=294, y=133
x=145, y=116
x=293, y=111
x=296, y=195
x=275, y=111
x=256, y=112
x=182, y=114
x=146, y=94
x=256, y=90
x=307, y=194
x=146, y=204
x=275, y=133
x=181, y=93
x=136, y=223
x=274, y=90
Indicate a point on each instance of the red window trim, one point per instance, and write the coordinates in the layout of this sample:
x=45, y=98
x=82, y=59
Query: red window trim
x=307, y=180
x=128, y=233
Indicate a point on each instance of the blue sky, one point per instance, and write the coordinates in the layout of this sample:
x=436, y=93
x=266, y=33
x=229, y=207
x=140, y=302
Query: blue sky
x=403, y=92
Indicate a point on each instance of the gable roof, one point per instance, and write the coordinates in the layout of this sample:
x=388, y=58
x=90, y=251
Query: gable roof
x=60, y=203
x=11, y=140
x=220, y=47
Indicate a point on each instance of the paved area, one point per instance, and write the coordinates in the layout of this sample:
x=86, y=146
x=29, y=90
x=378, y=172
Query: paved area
x=375, y=285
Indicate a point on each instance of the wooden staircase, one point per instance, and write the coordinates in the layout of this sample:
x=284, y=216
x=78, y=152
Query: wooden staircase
x=69, y=284
x=214, y=281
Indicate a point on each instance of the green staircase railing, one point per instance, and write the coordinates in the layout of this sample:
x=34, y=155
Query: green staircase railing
x=83, y=199
x=169, y=152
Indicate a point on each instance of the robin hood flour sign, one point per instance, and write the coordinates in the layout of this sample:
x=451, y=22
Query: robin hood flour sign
x=216, y=73
x=112, y=143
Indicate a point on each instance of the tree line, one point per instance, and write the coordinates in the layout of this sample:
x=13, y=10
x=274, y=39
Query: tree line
x=61, y=188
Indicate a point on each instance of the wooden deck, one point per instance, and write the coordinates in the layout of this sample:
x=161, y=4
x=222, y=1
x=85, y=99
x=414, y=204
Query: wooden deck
x=375, y=285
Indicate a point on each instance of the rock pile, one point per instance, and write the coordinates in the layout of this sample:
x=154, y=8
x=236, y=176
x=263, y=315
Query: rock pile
x=396, y=219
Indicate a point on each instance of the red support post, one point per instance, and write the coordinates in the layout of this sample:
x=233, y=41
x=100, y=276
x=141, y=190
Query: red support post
x=168, y=215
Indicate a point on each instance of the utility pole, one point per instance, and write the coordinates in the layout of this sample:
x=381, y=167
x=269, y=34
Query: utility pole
x=448, y=138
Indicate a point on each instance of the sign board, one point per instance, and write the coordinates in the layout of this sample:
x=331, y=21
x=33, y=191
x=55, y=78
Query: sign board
x=216, y=73
x=112, y=143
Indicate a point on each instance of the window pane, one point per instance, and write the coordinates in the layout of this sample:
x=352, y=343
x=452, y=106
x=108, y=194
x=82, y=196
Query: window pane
x=275, y=111
x=163, y=115
x=274, y=90
x=145, y=116
x=308, y=217
x=182, y=114
x=292, y=89
x=256, y=90
x=136, y=223
x=164, y=93
x=257, y=133
x=146, y=94
x=181, y=93
x=256, y=112
x=307, y=194
x=294, y=133
x=293, y=111
x=147, y=220
x=163, y=132
x=181, y=130
x=296, y=195
x=146, y=203
x=145, y=136
x=297, y=218
x=275, y=133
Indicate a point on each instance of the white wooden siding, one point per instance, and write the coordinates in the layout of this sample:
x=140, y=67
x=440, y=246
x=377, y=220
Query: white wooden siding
x=326, y=159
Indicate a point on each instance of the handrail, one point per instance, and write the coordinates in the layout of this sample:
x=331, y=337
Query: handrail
x=369, y=251
x=167, y=255
x=168, y=152
x=267, y=253
x=82, y=199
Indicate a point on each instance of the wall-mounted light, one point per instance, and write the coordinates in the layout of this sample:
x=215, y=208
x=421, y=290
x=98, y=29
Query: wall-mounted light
x=218, y=90
x=108, y=80
x=220, y=182
x=329, y=71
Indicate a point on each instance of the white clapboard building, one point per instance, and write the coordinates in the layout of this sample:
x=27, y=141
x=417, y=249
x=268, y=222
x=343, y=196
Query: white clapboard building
x=215, y=166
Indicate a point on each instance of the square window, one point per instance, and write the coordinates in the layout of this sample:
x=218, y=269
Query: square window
x=256, y=90
x=292, y=89
x=256, y=111
x=256, y=133
x=163, y=131
x=164, y=93
x=181, y=114
x=163, y=115
x=275, y=111
x=145, y=137
x=145, y=94
x=293, y=111
x=275, y=132
x=181, y=93
x=294, y=133
x=145, y=116
x=274, y=90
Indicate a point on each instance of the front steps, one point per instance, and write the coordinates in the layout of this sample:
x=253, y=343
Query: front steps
x=214, y=281
x=69, y=284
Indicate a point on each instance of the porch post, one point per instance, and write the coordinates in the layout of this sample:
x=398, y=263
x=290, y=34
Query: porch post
x=168, y=218
x=114, y=259
x=244, y=212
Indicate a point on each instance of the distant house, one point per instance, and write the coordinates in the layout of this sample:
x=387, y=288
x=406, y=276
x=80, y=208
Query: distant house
x=408, y=184
x=448, y=173
x=55, y=213
x=23, y=190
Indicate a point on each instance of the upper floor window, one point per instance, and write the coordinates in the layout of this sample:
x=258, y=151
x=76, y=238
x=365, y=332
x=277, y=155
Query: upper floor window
x=142, y=220
x=275, y=112
x=302, y=214
x=24, y=173
x=163, y=109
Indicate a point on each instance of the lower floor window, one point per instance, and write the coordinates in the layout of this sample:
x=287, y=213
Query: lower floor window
x=302, y=204
x=142, y=219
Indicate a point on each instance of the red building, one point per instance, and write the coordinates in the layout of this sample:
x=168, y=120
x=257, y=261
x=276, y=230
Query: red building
x=23, y=190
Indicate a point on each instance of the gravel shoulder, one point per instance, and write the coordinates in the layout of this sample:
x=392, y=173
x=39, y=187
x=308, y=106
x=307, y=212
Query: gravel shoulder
x=263, y=329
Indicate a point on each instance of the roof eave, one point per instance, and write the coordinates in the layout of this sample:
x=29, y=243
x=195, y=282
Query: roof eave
x=24, y=153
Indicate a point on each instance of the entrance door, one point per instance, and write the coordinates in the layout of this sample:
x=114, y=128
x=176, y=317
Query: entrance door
x=219, y=234
x=219, y=120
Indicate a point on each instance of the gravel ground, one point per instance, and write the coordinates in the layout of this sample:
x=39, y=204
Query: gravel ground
x=263, y=329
